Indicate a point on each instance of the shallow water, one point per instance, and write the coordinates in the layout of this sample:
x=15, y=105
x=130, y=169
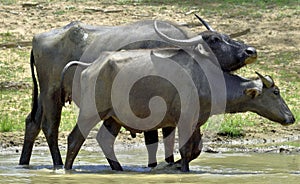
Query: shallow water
x=91, y=167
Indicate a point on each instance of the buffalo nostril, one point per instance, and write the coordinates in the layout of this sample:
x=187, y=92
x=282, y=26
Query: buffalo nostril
x=251, y=51
x=291, y=120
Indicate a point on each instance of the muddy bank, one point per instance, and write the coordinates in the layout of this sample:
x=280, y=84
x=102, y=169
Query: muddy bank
x=272, y=139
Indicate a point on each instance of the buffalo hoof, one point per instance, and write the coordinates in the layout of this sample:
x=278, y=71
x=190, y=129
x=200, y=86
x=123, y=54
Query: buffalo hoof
x=115, y=165
x=152, y=164
x=170, y=159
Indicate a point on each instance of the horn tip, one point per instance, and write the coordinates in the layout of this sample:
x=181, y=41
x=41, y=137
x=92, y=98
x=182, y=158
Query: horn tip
x=258, y=73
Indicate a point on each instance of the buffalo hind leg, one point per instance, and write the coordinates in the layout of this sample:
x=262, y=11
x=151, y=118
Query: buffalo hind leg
x=189, y=142
x=190, y=150
x=151, y=140
x=50, y=124
x=51, y=133
x=197, y=146
x=106, y=138
x=169, y=141
x=32, y=129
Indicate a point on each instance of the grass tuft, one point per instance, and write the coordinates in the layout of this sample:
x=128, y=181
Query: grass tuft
x=6, y=124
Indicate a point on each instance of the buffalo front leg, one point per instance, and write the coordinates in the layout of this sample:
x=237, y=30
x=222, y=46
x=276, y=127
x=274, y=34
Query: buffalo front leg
x=32, y=129
x=77, y=137
x=75, y=141
x=151, y=140
x=106, y=138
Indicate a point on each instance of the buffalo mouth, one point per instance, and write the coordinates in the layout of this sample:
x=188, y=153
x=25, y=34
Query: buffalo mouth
x=251, y=55
x=289, y=121
x=250, y=59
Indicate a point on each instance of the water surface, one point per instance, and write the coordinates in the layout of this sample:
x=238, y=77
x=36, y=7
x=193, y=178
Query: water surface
x=92, y=167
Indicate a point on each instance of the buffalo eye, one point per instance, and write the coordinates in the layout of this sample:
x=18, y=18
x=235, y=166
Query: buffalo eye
x=276, y=92
x=215, y=39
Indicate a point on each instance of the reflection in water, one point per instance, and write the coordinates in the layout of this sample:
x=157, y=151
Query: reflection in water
x=208, y=168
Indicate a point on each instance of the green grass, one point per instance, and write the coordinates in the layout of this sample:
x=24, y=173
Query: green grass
x=8, y=2
x=15, y=101
x=69, y=117
x=217, y=5
x=231, y=125
x=294, y=143
x=239, y=9
x=15, y=105
x=7, y=37
x=196, y=2
x=59, y=12
x=15, y=65
x=287, y=143
x=6, y=124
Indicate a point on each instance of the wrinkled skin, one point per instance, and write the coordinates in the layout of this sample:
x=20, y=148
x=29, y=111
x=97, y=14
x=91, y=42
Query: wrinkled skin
x=53, y=50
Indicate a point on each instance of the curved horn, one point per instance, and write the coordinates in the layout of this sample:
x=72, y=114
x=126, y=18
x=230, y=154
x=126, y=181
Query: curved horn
x=188, y=42
x=205, y=23
x=267, y=80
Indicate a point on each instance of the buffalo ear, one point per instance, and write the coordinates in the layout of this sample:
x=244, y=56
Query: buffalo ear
x=252, y=92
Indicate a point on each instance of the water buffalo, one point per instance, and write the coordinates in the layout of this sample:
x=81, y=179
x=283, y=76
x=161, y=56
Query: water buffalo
x=144, y=90
x=52, y=50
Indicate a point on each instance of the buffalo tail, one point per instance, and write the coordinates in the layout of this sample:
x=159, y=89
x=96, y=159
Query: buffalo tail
x=34, y=105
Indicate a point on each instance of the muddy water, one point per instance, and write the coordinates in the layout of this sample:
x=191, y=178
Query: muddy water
x=91, y=167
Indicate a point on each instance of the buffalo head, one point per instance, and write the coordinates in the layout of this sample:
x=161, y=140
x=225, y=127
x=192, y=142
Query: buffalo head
x=231, y=54
x=267, y=102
